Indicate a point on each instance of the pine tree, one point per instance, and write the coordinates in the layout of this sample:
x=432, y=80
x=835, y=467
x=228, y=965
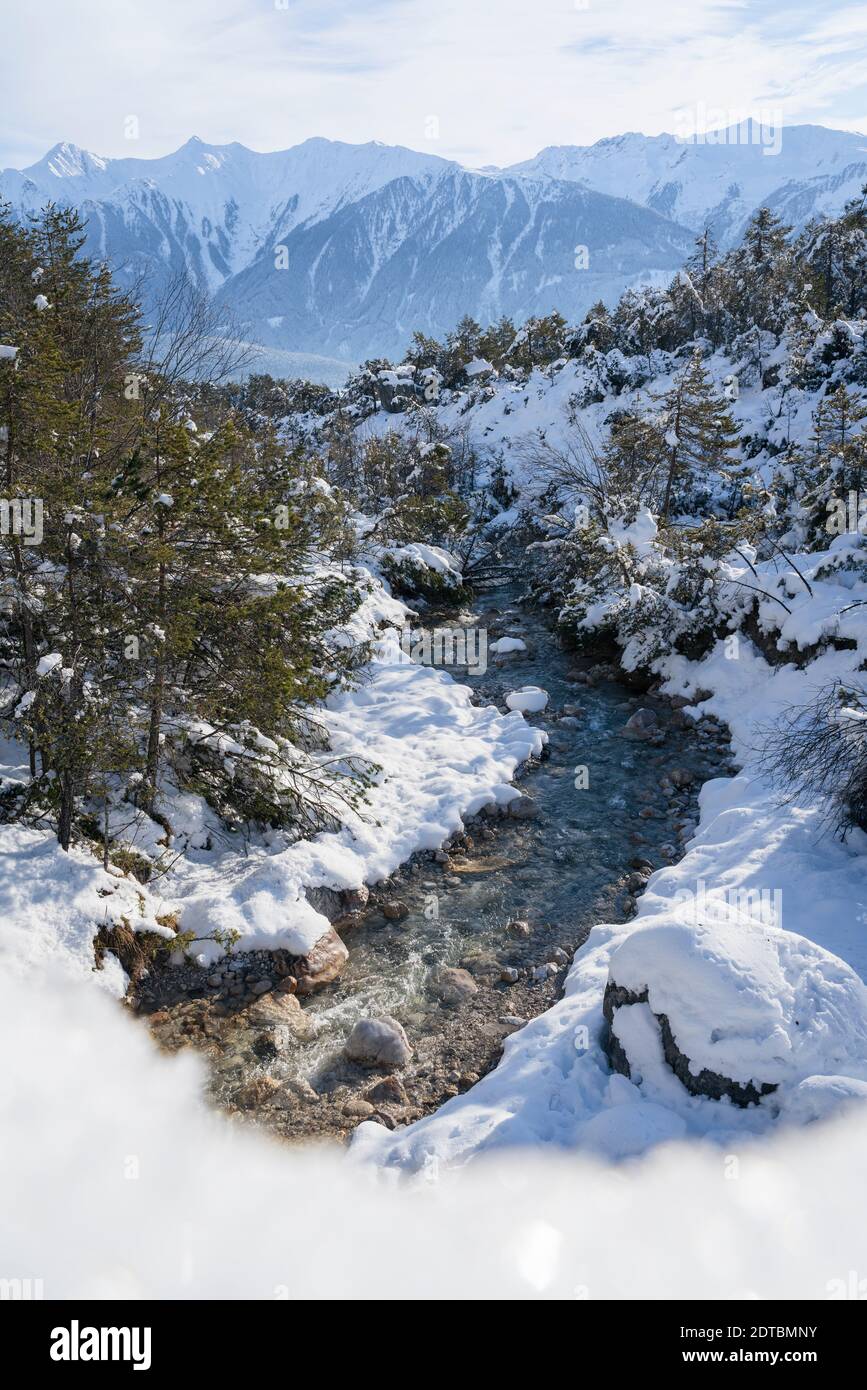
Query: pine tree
x=836, y=420
x=495, y=342
x=756, y=282
x=700, y=435
x=178, y=585
x=838, y=470
x=632, y=456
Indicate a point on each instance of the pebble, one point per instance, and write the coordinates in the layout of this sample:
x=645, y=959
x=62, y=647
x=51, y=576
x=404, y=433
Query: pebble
x=642, y=724
x=297, y=1089
x=255, y=1092
x=542, y=972
x=511, y=1021
x=388, y=1091
x=518, y=928
x=358, y=1109
x=509, y=975
x=681, y=776
x=261, y=987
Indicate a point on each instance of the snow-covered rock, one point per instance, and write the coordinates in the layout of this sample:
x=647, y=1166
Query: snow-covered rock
x=530, y=699
x=746, y=1000
x=504, y=645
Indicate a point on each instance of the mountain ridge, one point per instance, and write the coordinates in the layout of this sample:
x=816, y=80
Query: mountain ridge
x=379, y=240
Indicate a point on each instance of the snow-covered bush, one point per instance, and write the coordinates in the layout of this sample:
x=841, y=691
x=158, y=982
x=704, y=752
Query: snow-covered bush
x=416, y=570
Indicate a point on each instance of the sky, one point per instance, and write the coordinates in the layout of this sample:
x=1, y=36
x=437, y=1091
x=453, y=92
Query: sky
x=481, y=81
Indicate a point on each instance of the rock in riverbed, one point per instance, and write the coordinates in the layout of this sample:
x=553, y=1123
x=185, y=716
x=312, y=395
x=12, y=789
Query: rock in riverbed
x=322, y=964
x=378, y=1042
x=641, y=725
x=277, y=1011
x=452, y=985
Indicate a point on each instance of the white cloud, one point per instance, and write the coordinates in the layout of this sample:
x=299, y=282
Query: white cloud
x=503, y=77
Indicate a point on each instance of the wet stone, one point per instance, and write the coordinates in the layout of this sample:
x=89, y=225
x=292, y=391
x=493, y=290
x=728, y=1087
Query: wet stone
x=453, y=986
x=378, y=1042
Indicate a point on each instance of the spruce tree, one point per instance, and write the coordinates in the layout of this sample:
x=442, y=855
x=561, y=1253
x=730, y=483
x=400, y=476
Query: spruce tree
x=701, y=437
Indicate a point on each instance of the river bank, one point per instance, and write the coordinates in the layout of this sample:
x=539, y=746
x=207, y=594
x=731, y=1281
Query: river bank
x=461, y=946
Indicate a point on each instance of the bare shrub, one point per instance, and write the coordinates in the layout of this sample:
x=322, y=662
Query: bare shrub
x=819, y=749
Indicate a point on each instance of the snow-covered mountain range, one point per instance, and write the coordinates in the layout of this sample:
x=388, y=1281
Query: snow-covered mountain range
x=343, y=250
x=720, y=179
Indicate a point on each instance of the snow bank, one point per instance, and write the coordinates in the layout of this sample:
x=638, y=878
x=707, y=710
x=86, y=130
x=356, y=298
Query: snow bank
x=440, y=757
x=52, y=904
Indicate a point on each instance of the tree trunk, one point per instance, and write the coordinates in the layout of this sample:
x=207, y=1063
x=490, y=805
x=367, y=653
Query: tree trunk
x=67, y=807
x=154, y=727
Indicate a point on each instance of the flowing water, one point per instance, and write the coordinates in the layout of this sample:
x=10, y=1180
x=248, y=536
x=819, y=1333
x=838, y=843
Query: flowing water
x=559, y=872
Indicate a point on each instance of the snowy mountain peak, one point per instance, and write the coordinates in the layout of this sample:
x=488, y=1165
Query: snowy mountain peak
x=718, y=178
x=67, y=161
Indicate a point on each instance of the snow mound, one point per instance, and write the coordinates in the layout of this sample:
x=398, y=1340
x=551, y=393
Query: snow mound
x=508, y=644
x=748, y=1001
x=530, y=699
x=420, y=556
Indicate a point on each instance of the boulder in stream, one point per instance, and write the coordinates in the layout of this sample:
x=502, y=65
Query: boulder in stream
x=378, y=1042
x=641, y=725
x=274, y=1011
x=322, y=964
x=452, y=985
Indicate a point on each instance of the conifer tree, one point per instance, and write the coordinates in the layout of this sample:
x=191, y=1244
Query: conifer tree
x=700, y=435
x=632, y=456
